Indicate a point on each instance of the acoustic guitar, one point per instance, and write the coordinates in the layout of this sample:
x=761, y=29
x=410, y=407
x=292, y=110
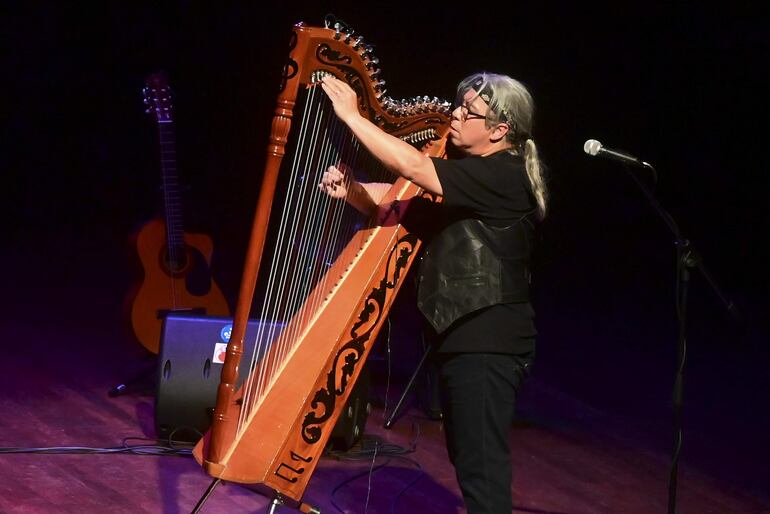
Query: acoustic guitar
x=175, y=264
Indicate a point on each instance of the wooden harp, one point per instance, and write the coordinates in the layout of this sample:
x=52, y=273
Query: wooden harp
x=329, y=281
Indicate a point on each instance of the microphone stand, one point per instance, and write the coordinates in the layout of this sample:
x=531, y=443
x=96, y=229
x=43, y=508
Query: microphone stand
x=686, y=259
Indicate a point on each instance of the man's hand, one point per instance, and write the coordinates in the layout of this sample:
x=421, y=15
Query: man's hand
x=342, y=96
x=335, y=182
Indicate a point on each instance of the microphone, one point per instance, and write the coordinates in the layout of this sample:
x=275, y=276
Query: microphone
x=594, y=148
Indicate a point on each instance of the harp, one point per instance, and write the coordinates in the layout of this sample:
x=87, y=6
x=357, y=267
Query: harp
x=328, y=277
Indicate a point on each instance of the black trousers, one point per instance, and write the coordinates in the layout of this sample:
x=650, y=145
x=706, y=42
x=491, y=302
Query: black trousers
x=478, y=397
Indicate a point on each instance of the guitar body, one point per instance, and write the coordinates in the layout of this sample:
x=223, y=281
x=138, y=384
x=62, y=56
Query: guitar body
x=183, y=284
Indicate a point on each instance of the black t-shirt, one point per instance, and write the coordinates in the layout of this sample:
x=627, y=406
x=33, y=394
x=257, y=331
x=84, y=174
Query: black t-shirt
x=497, y=191
x=494, y=189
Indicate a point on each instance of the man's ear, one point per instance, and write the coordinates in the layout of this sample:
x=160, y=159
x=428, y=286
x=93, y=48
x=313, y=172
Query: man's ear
x=499, y=132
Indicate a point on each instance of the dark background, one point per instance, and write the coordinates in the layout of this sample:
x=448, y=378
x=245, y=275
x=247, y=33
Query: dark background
x=681, y=87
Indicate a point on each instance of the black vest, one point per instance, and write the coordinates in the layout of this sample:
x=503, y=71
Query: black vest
x=470, y=265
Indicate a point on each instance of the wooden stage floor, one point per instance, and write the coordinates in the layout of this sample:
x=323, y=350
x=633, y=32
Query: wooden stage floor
x=60, y=363
x=569, y=458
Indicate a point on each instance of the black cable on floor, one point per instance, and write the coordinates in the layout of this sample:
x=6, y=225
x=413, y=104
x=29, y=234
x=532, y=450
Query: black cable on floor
x=171, y=448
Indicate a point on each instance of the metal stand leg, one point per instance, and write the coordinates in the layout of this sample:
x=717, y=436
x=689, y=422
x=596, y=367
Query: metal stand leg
x=308, y=509
x=141, y=377
x=205, y=496
x=392, y=417
x=274, y=504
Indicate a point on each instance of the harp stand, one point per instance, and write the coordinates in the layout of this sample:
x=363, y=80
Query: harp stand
x=391, y=419
x=274, y=503
x=206, y=495
x=397, y=408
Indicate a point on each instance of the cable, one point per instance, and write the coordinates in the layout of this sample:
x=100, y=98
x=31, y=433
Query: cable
x=375, y=469
x=354, y=477
x=372, y=447
x=682, y=270
x=172, y=448
x=407, y=486
x=370, y=444
x=387, y=381
x=369, y=484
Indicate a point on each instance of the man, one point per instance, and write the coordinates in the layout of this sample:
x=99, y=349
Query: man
x=474, y=277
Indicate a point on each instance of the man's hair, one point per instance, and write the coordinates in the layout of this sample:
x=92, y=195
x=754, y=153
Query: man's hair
x=509, y=102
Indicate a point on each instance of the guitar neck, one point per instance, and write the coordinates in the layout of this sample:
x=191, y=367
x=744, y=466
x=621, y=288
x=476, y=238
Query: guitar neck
x=172, y=201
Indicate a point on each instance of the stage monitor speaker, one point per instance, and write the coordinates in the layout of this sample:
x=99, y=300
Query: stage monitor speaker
x=352, y=421
x=192, y=351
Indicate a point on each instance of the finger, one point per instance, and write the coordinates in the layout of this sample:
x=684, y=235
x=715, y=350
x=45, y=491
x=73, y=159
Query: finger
x=332, y=83
x=330, y=92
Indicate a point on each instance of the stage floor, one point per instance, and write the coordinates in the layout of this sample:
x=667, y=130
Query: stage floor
x=65, y=348
x=569, y=458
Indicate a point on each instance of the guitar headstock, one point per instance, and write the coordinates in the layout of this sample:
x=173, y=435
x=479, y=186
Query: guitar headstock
x=157, y=97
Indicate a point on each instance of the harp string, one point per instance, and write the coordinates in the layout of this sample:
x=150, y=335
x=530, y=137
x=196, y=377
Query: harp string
x=266, y=332
x=313, y=230
x=303, y=221
x=293, y=255
x=322, y=226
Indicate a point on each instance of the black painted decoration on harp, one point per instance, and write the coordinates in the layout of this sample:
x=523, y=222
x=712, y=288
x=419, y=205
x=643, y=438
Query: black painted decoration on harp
x=297, y=471
x=351, y=353
x=291, y=67
x=326, y=55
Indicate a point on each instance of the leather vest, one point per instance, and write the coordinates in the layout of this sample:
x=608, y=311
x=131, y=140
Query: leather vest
x=470, y=265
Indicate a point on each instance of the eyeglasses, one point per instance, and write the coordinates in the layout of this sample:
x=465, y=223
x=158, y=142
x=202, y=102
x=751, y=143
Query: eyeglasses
x=467, y=114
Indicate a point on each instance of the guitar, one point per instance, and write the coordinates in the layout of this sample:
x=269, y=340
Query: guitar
x=175, y=264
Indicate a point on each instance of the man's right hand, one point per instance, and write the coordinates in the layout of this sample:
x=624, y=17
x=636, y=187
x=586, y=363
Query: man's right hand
x=335, y=182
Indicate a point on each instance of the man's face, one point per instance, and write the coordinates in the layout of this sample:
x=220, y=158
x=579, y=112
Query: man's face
x=468, y=128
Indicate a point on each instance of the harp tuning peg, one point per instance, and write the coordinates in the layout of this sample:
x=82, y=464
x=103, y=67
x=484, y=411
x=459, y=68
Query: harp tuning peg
x=373, y=62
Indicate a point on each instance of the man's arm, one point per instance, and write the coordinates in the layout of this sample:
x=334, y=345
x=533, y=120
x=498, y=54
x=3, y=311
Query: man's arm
x=364, y=197
x=398, y=156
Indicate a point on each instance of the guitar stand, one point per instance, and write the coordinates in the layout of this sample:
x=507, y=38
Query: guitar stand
x=140, y=378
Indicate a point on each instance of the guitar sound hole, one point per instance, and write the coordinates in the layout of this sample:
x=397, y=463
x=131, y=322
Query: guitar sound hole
x=191, y=265
x=177, y=262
